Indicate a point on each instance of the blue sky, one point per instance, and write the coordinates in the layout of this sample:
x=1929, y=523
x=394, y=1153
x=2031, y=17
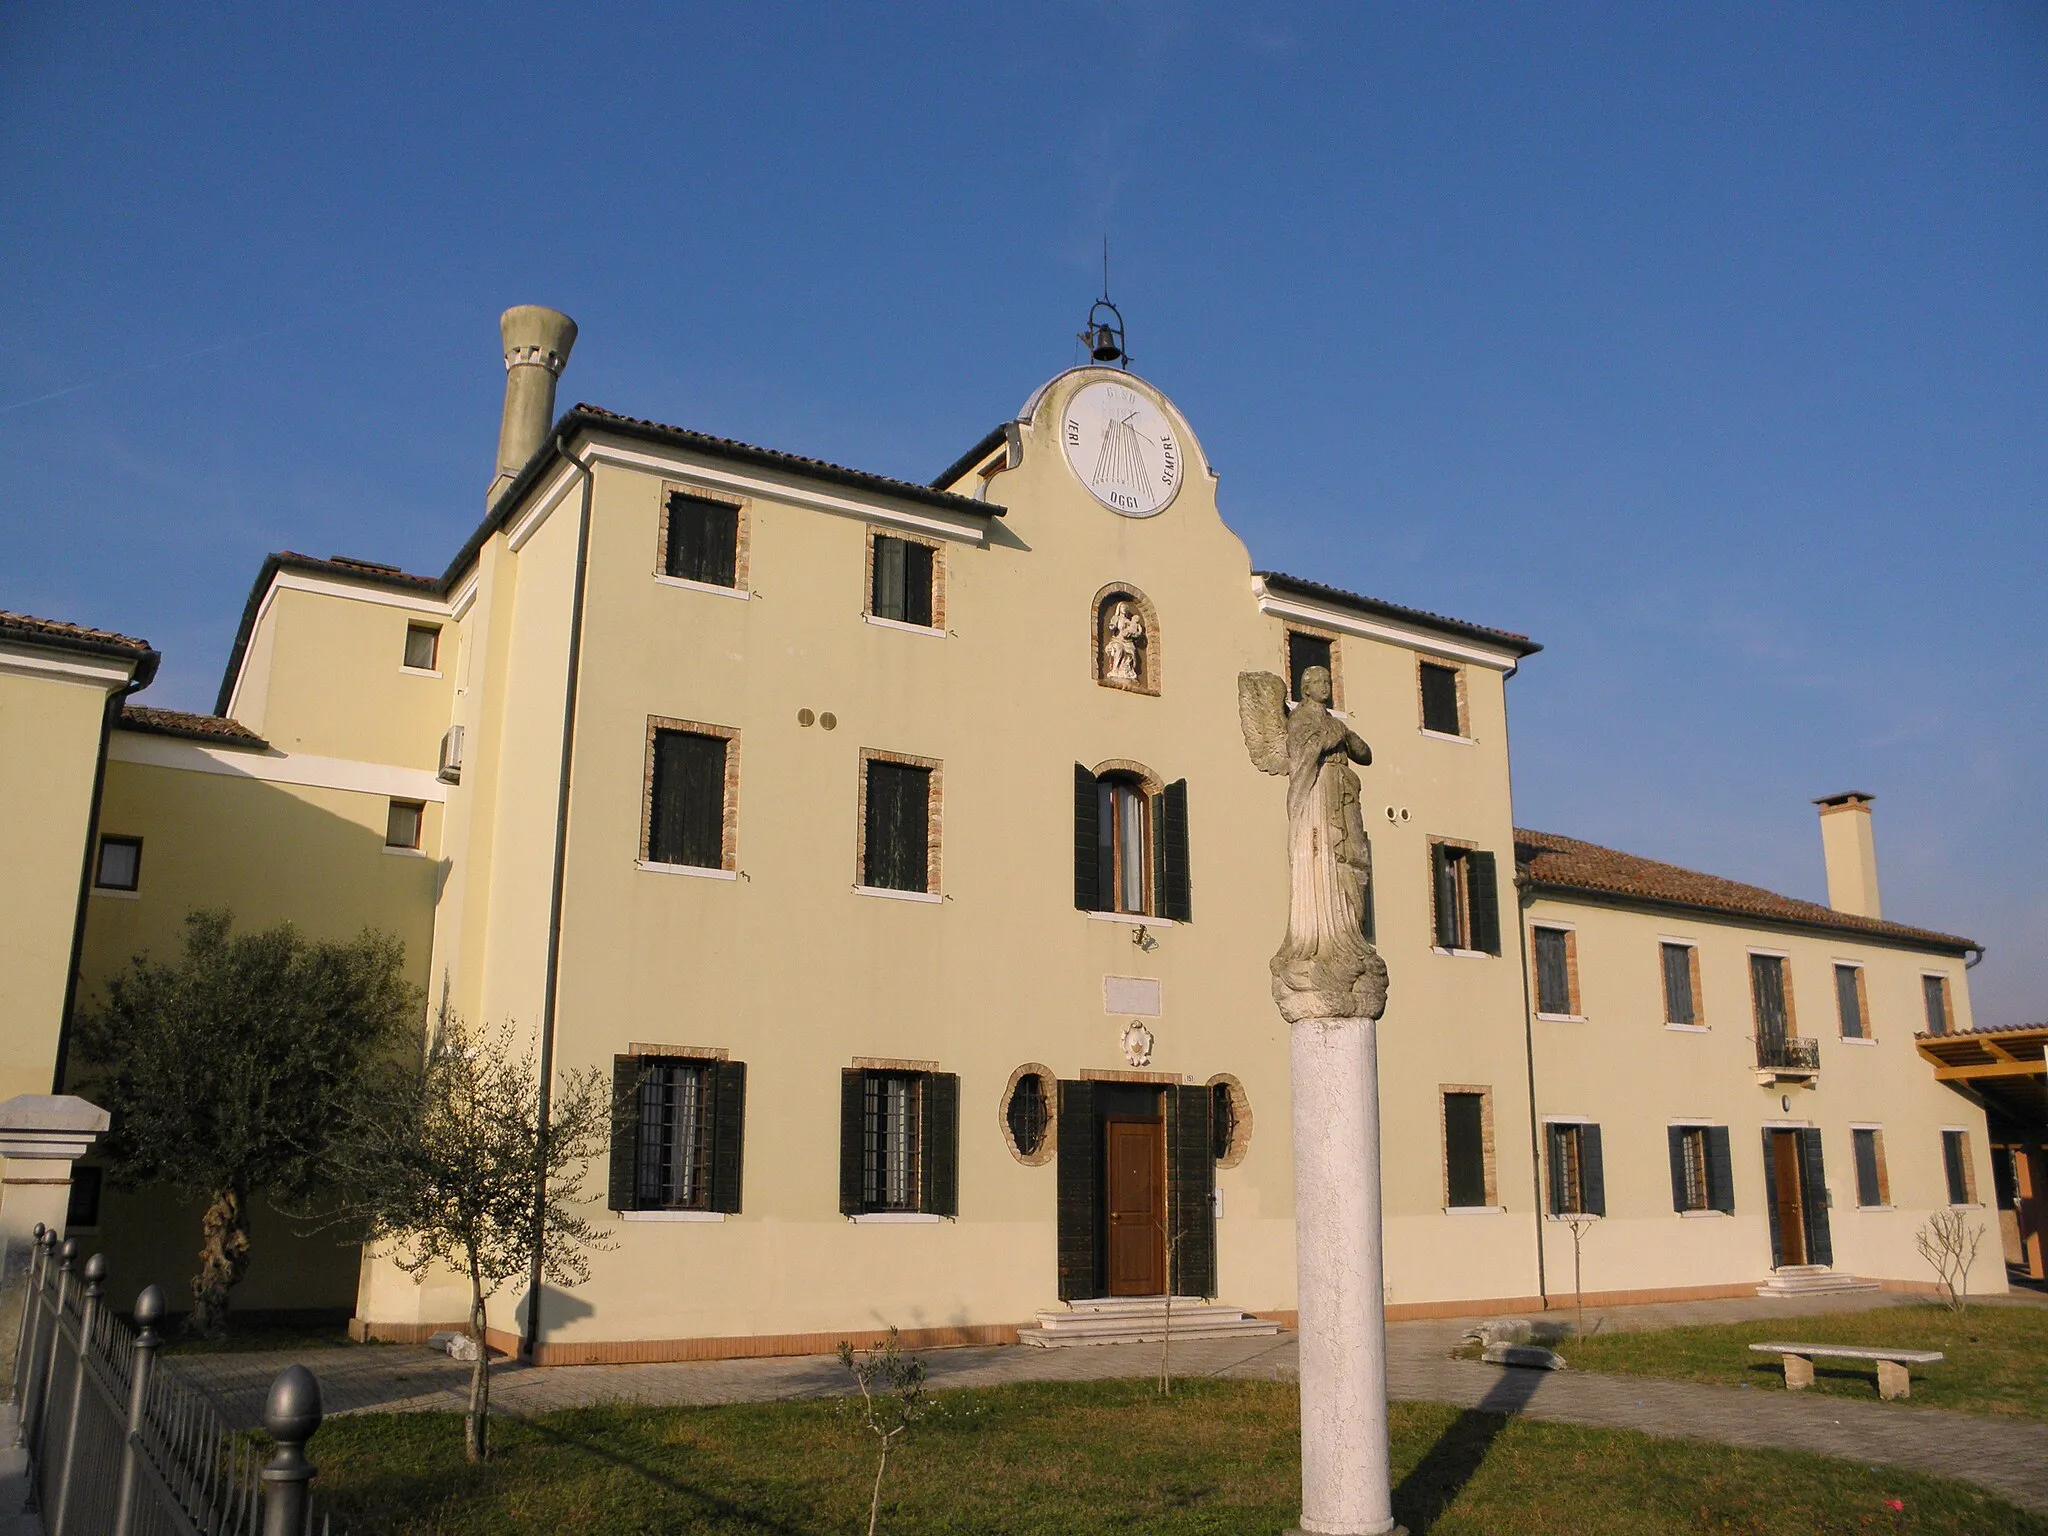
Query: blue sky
x=1706, y=344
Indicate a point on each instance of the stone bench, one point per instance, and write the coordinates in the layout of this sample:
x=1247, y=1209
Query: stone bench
x=1893, y=1379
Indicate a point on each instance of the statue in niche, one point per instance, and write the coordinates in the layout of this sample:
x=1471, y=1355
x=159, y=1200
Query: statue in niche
x=1325, y=968
x=1123, y=632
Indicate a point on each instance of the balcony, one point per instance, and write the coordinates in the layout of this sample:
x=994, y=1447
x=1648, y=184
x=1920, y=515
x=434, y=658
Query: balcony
x=1787, y=1059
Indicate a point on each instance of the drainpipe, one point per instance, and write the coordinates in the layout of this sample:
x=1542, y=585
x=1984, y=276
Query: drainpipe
x=138, y=681
x=530, y=1345
x=1522, y=900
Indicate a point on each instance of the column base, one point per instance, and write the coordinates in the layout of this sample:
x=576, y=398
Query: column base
x=1392, y=1530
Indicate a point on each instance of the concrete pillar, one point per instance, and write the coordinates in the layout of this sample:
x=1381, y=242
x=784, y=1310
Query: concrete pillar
x=537, y=343
x=41, y=1135
x=1345, y=1482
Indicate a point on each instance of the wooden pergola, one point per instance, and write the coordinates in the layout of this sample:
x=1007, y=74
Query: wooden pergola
x=2007, y=1070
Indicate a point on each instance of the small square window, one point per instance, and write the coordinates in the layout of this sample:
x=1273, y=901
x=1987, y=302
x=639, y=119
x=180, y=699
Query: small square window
x=1440, y=704
x=402, y=824
x=686, y=800
x=120, y=865
x=896, y=842
x=901, y=585
x=1305, y=650
x=422, y=647
x=702, y=542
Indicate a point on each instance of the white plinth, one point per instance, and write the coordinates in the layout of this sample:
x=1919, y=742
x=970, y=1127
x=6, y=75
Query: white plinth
x=1345, y=1488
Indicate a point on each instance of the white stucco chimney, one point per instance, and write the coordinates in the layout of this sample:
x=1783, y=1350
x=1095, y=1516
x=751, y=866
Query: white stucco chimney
x=537, y=343
x=1850, y=852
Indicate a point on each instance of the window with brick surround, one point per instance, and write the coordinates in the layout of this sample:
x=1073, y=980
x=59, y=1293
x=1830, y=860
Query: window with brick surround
x=1940, y=1013
x=1577, y=1183
x=898, y=807
x=1307, y=649
x=1873, y=1183
x=1467, y=1114
x=1702, y=1177
x=1464, y=898
x=678, y=1133
x=1681, y=972
x=703, y=539
x=1852, y=1002
x=687, y=824
x=1557, y=972
x=422, y=647
x=901, y=580
x=1443, y=705
x=120, y=864
x=1131, y=843
x=1770, y=991
x=899, y=1146
x=1958, y=1168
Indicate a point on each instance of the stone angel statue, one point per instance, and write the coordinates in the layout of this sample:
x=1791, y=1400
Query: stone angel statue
x=1325, y=968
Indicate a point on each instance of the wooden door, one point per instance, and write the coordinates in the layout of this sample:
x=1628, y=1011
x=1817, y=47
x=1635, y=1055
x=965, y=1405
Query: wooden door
x=1791, y=1202
x=1134, y=1168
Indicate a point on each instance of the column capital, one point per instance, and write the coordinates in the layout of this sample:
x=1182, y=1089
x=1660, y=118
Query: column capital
x=52, y=1126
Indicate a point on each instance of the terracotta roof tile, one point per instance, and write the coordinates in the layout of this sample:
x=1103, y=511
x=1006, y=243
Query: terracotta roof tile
x=22, y=626
x=191, y=727
x=1566, y=864
x=361, y=570
x=1301, y=586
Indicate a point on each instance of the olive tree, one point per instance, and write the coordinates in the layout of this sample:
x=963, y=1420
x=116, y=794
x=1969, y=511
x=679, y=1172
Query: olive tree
x=462, y=1167
x=228, y=1070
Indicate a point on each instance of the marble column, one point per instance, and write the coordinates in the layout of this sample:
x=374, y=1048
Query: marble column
x=41, y=1135
x=1345, y=1482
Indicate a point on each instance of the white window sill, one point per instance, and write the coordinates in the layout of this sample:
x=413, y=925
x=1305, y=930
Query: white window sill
x=1463, y=954
x=703, y=586
x=406, y=853
x=421, y=671
x=1695, y=1215
x=1475, y=1210
x=898, y=1218
x=879, y=622
x=1575, y=1216
x=1465, y=741
x=1561, y=1018
x=892, y=895
x=1686, y=1029
x=686, y=869
x=116, y=892
x=1877, y=1208
x=672, y=1215
x=1974, y=1205
x=1137, y=919
x=1857, y=1040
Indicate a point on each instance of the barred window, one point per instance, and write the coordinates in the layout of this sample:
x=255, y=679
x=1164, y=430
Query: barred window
x=674, y=1166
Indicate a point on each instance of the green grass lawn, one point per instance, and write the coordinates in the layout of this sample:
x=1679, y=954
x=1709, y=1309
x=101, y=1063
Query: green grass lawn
x=1076, y=1459
x=1997, y=1355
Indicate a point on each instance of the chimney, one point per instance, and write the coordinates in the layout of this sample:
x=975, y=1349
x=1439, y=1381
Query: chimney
x=537, y=343
x=1850, y=852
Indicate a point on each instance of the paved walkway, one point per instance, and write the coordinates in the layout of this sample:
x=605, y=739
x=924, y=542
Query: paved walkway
x=2007, y=1456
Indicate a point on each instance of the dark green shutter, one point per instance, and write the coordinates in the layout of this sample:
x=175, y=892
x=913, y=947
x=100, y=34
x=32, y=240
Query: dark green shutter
x=1720, y=1170
x=1820, y=1248
x=1771, y=1201
x=1482, y=891
x=1675, y=1135
x=1553, y=1143
x=1174, y=892
x=1443, y=881
x=1190, y=1193
x=939, y=1144
x=1465, y=1149
x=621, y=1190
x=728, y=1133
x=917, y=583
x=852, y=1138
x=1079, y=1172
x=1087, y=833
x=1591, y=1175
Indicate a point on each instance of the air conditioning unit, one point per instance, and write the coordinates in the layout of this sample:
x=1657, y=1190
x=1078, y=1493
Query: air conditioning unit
x=451, y=755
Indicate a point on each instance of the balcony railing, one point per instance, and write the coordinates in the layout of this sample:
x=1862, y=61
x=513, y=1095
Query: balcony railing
x=1785, y=1053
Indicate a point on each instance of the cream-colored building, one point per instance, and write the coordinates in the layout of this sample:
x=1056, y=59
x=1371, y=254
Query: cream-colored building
x=897, y=850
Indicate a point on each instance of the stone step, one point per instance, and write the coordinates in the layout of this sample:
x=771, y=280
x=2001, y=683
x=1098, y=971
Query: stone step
x=1811, y=1280
x=1140, y=1320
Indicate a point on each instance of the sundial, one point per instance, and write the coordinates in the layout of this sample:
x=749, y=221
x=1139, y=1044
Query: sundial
x=1122, y=447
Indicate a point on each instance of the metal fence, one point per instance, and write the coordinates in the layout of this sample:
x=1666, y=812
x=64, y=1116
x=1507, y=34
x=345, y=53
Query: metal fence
x=120, y=1447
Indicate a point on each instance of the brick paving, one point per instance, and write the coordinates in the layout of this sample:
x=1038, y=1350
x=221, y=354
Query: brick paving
x=2007, y=1456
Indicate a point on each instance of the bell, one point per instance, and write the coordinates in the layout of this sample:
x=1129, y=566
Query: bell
x=1105, y=348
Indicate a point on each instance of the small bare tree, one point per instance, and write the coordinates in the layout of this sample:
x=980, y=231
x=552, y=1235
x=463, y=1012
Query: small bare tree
x=891, y=1400
x=1581, y=1223
x=1949, y=1243
x=447, y=1169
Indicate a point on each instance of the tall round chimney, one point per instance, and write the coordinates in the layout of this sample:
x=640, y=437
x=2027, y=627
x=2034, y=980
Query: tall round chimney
x=537, y=343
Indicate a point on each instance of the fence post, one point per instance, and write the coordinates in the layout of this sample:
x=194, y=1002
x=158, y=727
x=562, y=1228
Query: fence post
x=67, y=1255
x=291, y=1416
x=31, y=1332
x=32, y=1394
x=95, y=1284
x=149, y=1311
